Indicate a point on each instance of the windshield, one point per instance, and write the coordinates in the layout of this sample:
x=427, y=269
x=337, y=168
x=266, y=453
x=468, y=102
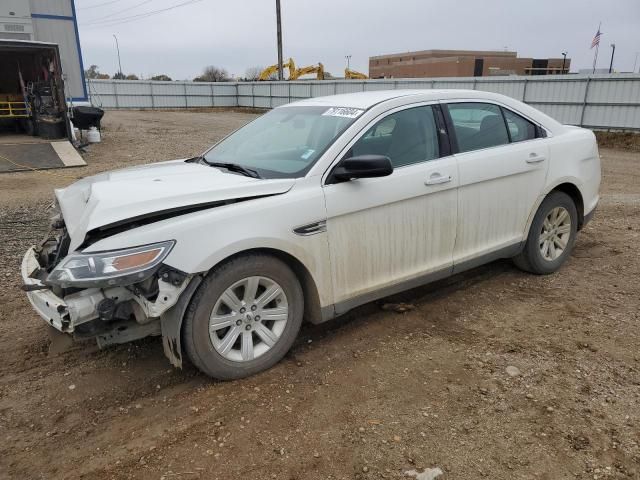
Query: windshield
x=285, y=142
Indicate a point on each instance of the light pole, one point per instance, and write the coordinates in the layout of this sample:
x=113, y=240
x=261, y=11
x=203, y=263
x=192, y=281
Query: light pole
x=613, y=52
x=635, y=62
x=279, y=33
x=564, y=61
x=348, y=57
x=118, y=49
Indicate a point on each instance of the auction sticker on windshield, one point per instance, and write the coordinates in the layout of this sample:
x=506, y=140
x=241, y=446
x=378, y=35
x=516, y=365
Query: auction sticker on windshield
x=343, y=112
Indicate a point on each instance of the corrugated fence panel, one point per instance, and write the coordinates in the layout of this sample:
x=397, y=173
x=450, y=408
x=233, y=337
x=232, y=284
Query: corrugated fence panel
x=612, y=116
x=245, y=101
x=413, y=84
x=612, y=101
x=245, y=89
x=198, y=89
x=455, y=84
x=373, y=86
x=226, y=101
x=106, y=101
x=168, y=88
x=100, y=88
x=509, y=88
x=568, y=114
x=555, y=91
x=280, y=90
x=300, y=90
x=132, y=88
x=322, y=89
x=278, y=101
x=170, y=101
x=224, y=88
x=262, y=102
x=134, y=101
x=350, y=87
x=200, y=101
x=614, y=91
x=262, y=89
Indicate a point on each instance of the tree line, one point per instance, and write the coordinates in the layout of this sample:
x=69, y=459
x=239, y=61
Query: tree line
x=210, y=73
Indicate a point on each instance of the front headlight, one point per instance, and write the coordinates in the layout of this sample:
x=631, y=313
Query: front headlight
x=116, y=267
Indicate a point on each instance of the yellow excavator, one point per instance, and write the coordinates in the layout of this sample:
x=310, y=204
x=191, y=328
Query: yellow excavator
x=353, y=75
x=294, y=73
x=317, y=69
x=273, y=69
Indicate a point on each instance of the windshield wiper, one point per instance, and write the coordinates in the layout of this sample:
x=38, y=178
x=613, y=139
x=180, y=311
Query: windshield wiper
x=235, y=167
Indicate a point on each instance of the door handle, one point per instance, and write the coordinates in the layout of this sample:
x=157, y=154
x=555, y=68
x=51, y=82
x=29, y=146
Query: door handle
x=535, y=158
x=437, y=179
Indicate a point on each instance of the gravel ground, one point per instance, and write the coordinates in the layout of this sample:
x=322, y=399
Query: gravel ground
x=493, y=374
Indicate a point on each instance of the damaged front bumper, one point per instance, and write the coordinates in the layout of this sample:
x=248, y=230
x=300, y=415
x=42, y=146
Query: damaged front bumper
x=83, y=313
x=49, y=306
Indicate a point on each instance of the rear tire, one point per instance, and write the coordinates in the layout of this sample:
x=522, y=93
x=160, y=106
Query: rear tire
x=244, y=317
x=551, y=237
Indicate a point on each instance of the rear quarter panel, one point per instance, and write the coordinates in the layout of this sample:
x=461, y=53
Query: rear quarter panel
x=575, y=159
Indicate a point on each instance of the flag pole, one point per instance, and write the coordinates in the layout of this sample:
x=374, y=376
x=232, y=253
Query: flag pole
x=595, y=57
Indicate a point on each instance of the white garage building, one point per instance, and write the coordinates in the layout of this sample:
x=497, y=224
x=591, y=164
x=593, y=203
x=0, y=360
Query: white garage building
x=51, y=21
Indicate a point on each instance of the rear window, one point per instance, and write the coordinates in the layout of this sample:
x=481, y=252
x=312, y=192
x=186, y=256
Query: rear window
x=478, y=125
x=520, y=128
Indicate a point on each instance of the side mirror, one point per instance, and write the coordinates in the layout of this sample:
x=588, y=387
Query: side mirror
x=363, y=166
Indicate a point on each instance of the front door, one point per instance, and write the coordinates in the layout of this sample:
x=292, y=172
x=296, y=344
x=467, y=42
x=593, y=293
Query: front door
x=385, y=233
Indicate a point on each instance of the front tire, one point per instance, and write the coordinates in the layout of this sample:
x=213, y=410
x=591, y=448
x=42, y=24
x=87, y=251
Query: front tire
x=551, y=237
x=244, y=317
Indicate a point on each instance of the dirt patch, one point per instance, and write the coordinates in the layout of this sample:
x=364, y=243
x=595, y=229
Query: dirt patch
x=372, y=395
x=624, y=140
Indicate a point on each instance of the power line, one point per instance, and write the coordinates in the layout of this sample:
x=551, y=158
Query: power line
x=98, y=5
x=118, y=12
x=117, y=21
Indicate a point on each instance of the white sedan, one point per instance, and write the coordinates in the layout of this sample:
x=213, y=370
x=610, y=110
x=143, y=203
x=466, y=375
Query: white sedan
x=312, y=209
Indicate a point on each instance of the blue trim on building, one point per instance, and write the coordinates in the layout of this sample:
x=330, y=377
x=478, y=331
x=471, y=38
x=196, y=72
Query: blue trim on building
x=73, y=18
x=75, y=26
x=52, y=17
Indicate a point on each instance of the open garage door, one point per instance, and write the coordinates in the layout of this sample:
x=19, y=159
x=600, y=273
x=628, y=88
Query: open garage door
x=34, y=125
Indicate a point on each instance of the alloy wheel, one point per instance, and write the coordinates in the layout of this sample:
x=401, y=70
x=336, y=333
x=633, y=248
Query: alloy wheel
x=555, y=234
x=248, y=319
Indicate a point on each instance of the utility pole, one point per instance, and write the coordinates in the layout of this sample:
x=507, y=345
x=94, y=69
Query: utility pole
x=348, y=57
x=613, y=52
x=118, y=49
x=279, y=20
x=564, y=61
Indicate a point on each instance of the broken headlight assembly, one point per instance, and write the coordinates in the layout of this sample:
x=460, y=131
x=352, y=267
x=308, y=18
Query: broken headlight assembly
x=110, y=268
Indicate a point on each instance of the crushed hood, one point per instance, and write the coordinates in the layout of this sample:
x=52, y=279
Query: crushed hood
x=114, y=197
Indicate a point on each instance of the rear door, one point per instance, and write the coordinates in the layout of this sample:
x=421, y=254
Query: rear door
x=502, y=161
x=385, y=232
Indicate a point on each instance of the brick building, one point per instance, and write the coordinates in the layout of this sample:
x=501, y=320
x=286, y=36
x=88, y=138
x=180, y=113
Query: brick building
x=461, y=63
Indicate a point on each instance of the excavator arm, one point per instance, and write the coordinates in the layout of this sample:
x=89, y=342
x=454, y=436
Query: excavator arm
x=269, y=71
x=317, y=69
x=353, y=75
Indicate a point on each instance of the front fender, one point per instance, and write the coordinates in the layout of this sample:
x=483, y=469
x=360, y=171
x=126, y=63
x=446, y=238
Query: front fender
x=171, y=323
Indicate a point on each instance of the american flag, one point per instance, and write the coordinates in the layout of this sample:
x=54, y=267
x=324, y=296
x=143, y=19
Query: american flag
x=596, y=39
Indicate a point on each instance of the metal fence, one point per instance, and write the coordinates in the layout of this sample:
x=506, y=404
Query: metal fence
x=595, y=101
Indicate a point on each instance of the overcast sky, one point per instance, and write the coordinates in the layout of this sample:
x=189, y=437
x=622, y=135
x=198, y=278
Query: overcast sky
x=239, y=34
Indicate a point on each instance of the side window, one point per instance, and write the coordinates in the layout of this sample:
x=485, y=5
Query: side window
x=406, y=137
x=520, y=128
x=478, y=125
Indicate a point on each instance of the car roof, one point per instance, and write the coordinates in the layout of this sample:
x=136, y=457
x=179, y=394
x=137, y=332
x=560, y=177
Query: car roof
x=366, y=100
